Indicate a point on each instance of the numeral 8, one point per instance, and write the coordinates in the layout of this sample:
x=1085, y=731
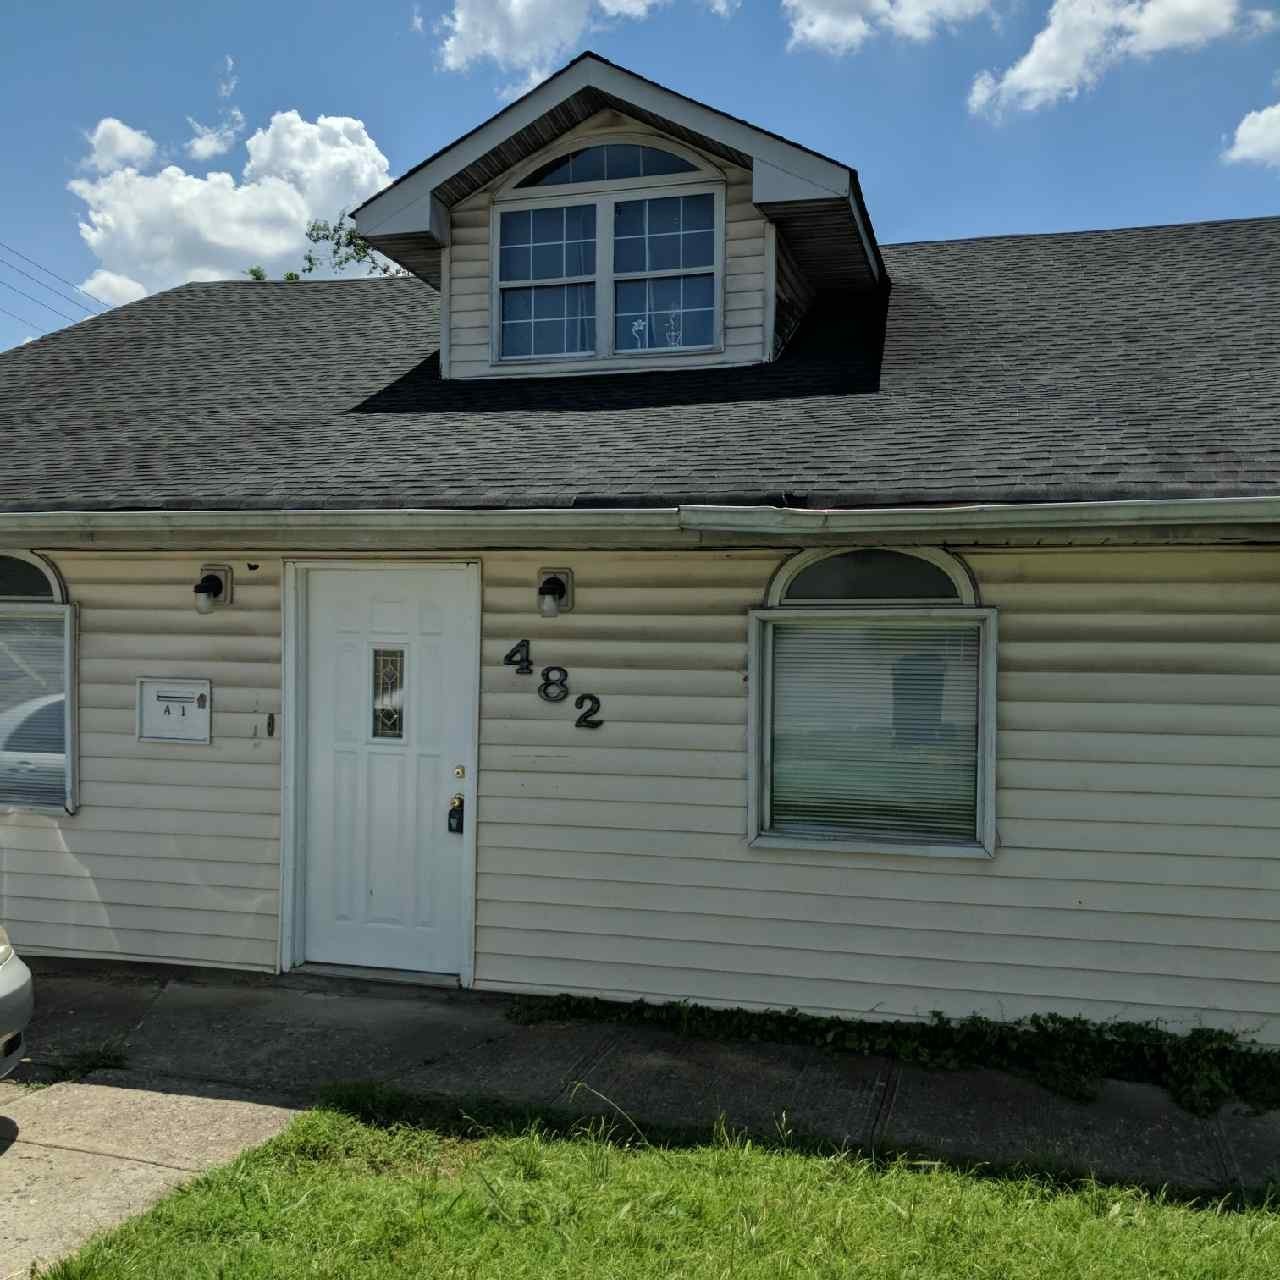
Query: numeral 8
x=555, y=684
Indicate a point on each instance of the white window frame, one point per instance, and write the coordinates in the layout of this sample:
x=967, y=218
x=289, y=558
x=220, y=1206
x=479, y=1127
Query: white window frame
x=11, y=607
x=604, y=195
x=790, y=570
x=763, y=624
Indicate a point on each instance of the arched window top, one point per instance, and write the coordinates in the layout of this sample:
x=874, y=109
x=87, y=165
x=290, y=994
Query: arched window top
x=28, y=578
x=873, y=575
x=610, y=162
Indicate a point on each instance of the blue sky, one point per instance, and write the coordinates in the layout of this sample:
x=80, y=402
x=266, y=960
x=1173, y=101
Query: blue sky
x=963, y=117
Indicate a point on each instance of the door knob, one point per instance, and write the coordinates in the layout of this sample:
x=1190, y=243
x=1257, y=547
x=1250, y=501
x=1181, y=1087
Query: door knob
x=457, y=807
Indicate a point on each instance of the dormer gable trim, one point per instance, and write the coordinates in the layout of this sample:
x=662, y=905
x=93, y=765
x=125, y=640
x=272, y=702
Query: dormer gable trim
x=409, y=220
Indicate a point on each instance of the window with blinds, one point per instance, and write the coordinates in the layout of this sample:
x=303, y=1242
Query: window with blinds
x=36, y=635
x=876, y=723
x=875, y=729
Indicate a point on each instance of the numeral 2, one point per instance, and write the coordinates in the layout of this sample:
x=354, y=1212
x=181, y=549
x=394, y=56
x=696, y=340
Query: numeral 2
x=592, y=704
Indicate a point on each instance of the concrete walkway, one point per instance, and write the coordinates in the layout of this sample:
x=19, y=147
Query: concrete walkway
x=214, y=1063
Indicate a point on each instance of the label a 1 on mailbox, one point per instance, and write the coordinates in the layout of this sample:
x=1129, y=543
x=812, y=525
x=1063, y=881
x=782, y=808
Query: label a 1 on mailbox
x=174, y=710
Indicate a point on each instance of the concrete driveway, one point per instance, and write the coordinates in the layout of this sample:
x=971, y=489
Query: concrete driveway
x=76, y=1158
x=179, y=1070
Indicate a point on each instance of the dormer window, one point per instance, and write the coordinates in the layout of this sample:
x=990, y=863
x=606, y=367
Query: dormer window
x=630, y=268
x=656, y=233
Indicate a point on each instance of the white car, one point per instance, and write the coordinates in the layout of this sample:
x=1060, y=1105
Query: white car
x=33, y=750
x=15, y=1005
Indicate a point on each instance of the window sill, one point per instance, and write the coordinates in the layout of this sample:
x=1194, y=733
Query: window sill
x=8, y=807
x=854, y=844
x=591, y=357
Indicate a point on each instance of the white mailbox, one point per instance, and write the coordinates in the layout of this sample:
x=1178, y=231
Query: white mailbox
x=174, y=710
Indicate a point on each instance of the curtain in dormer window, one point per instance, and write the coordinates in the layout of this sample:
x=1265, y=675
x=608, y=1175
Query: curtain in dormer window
x=546, y=245
x=655, y=242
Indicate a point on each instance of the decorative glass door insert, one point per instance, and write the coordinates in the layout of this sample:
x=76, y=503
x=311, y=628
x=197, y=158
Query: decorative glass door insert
x=388, y=693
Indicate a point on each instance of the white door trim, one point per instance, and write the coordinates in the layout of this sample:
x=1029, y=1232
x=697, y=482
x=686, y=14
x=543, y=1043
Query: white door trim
x=293, y=771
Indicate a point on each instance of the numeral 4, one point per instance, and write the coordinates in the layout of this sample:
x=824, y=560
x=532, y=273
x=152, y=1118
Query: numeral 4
x=518, y=657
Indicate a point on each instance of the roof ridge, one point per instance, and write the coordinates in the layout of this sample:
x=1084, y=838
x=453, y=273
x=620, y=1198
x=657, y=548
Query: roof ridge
x=200, y=284
x=1085, y=231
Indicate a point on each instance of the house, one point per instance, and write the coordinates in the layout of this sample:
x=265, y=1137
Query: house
x=663, y=591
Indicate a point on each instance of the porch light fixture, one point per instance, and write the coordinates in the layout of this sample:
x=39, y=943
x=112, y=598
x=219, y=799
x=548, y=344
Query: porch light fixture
x=555, y=592
x=214, y=587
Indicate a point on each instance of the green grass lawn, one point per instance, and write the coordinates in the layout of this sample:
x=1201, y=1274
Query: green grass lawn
x=336, y=1197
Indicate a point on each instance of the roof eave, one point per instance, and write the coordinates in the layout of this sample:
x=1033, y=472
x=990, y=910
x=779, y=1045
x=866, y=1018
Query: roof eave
x=776, y=523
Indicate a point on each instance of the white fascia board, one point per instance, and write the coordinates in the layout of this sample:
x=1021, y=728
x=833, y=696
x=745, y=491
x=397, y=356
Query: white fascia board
x=793, y=520
x=400, y=208
x=773, y=185
x=429, y=216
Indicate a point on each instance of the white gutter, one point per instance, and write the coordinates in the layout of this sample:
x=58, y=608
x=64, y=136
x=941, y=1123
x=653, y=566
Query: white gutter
x=695, y=518
x=427, y=520
x=1058, y=515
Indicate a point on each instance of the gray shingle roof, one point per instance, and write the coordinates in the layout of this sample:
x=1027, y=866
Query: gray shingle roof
x=1116, y=364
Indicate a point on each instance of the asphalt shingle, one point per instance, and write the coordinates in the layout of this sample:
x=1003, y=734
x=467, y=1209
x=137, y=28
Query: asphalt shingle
x=1117, y=364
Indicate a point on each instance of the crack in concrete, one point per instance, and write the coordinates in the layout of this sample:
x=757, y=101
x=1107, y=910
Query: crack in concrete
x=887, y=1085
x=108, y=1155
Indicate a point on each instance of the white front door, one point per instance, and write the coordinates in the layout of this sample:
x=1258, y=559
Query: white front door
x=392, y=668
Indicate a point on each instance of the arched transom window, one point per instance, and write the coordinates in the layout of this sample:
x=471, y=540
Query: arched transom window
x=37, y=637
x=607, y=163
x=607, y=250
x=874, y=684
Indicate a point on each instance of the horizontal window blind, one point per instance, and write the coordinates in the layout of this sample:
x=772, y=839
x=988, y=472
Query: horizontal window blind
x=875, y=729
x=33, y=710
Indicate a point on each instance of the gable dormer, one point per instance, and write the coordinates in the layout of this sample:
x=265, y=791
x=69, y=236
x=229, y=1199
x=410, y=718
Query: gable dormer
x=604, y=223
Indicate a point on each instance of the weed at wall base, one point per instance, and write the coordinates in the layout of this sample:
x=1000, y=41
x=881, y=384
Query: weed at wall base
x=1201, y=1069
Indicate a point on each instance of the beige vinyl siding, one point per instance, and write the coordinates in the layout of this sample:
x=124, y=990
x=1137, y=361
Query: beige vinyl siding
x=1138, y=872
x=744, y=283
x=174, y=852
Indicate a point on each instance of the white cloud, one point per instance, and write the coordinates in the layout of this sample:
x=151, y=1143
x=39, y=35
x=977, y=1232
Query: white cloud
x=532, y=36
x=842, y=26
x=111, y=287
x=152, y=231
x=209, y=140
x=513, y=33
x=333, y=163
x=25, y=340
x=114, y=145
x=416, y=23
x=1257, y=139
x=227, y=84
x=1084, y=38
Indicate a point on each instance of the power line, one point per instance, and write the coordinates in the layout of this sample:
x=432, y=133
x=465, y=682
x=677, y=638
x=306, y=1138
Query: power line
x=75, y=302
x=19, y=319
x=54, y=274
x=38, y=301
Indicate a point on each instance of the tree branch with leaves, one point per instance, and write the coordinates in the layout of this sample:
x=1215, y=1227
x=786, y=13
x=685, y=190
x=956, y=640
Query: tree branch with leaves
x=337, y=247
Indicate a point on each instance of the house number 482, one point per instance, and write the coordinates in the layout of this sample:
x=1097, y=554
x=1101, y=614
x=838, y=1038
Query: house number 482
x=555, y=685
